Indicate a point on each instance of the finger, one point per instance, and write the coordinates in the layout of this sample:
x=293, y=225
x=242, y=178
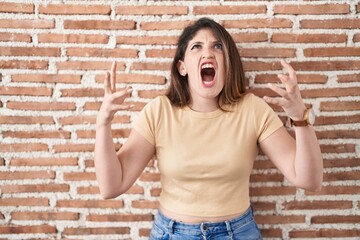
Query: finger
x=122, y=94
x=282, y=92
x=123, y=107
x=107, y=87
x=289, y=86
x=275, y=100
x=113, y=77
x=289, y=69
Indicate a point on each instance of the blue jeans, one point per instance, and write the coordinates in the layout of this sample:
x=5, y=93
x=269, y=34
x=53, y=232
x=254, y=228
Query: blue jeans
x=243, y=227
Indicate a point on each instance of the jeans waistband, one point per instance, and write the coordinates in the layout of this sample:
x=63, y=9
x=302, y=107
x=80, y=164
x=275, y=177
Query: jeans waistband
x=205, y=227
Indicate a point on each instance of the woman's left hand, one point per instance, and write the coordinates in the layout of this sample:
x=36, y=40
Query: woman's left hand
x=290, y=97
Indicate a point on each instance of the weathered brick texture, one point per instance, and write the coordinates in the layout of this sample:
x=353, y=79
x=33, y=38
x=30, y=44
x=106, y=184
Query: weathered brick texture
x=53, y=58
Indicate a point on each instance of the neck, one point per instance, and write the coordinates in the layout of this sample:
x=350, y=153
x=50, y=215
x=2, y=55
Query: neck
x=204, y=105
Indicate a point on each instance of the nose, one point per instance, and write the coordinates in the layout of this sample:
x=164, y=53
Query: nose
x=207, y=54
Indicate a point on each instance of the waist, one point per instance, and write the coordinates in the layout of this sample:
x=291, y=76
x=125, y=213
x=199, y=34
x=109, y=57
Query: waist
x=198, y=219
x=201, y=227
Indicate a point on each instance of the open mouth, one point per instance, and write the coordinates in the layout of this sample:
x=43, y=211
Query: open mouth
x=207, y=74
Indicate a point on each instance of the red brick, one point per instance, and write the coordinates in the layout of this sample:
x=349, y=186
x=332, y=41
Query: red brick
x=348, y=78
x=45, y=216
x=271, y=233
x=84, y=65
x=20, y=64
x=43, y=161
x=30, y=51
x=336, y=190
x=30, y=91
x=15, y=37
x=82, y=92
x=342, y=176
x=341, y=162
x=8, y=7
x=151, y=66
x=151, y=93
x=335, y=219
x=356, y=37
x=59, y=134
x=27, y=175
x=99, y=24
x=14, y=229
x=35, y=188
x=312, y=9
x=163, y=53
x=72, y=120
x=316, y=205
x=340, y=106
x=72, y=9
x=338, y=134
x=331, y=24
x=23, y=147
x=267, y=52
x=332, y=52
x=147, y=40
x=338, y=148
x=330, y=92
x=98, y=230
x=26, y=120
x=29, y=201
x=327, y=120
x=229, y=9
x=263, y=206
x=277, y=219
x=27, y=23
x=301, y=78
x=121, y=218
x=79, y=176
x=47, y=78
x=326, y=65
x=151, y=10
x=74, y=148
x=269, y=177
x=145, y=204
x=73, y=38
x=250, y=37
x=42, y=106
x=98, y=52
x=135, y=78
x=90, y=204
x=327, y=233
x=168, y=25
x=258, y=23
x=308, y=38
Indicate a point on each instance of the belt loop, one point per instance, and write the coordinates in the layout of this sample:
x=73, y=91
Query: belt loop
x=228, y=228
x=171, y=227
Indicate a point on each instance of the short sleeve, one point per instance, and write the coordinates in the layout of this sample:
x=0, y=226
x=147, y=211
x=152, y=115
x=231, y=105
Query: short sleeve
x=266, y=120
x=145, y=123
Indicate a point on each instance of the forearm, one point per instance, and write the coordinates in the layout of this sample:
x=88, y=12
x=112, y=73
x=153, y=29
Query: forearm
x=308, y=159
x=107, y=165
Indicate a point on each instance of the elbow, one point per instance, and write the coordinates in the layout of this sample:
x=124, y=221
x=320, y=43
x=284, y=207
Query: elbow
x=109, y=194
x=312, y=187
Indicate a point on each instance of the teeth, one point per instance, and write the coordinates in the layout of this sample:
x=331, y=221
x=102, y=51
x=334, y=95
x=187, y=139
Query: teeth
x=207, y=65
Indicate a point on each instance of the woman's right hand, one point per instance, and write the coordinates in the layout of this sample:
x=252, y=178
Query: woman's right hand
x=113, y=100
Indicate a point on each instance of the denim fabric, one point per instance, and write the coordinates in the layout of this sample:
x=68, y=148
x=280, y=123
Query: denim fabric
x=243, y=227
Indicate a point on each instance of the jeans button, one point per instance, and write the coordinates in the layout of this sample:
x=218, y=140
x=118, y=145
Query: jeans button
x=204, y=227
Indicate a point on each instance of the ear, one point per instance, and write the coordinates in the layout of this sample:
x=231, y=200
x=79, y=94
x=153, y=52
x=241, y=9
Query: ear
x=181, y=68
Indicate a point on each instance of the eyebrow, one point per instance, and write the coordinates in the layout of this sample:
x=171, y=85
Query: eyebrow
x=201, y=43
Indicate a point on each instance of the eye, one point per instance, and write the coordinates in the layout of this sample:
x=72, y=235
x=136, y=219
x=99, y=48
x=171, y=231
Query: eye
x=218, y=46
x=195, y=46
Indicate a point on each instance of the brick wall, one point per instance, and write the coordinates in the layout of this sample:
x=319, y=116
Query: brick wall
x=52, y=61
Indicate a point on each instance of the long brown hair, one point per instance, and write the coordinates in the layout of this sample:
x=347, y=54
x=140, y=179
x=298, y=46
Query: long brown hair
x=179, y=93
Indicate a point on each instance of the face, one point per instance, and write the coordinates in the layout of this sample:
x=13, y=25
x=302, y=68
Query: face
x=204, y=65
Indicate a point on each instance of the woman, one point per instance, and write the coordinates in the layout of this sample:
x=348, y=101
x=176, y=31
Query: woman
x=205, y=134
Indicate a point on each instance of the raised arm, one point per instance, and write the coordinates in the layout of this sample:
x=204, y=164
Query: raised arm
x=299, y=160
x=116, y=172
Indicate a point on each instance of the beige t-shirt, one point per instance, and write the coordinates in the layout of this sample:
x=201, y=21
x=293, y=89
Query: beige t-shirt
x=205, y=159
